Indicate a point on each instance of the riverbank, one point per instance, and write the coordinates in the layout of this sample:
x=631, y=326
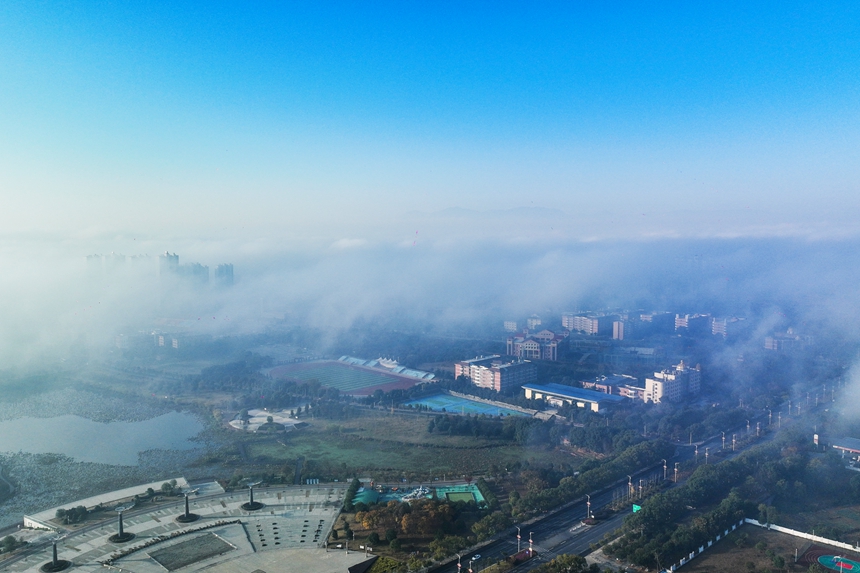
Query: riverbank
x=48, y=480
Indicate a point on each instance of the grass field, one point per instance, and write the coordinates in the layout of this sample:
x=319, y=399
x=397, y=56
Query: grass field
x=460, y=496
x=380, y=445
x=348, y=379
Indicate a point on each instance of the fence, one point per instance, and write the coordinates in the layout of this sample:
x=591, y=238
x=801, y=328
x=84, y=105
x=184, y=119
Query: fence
x=778, y=528
x=803, y=535
x=694, y=554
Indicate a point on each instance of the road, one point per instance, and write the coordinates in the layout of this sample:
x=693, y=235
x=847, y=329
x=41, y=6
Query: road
x=561, y=532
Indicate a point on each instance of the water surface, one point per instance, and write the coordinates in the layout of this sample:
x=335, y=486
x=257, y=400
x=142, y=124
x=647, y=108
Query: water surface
x=116, y=443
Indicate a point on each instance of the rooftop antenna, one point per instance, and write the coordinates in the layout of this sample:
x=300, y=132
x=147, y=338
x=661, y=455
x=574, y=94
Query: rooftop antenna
x=121, y=536
x=252, y=505
x=188, y=517
x=55, y=564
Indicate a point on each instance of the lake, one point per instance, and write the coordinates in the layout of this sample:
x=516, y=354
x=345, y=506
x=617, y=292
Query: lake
x=115, y=443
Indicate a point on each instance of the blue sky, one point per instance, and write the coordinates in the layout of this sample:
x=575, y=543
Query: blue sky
x=255, y=121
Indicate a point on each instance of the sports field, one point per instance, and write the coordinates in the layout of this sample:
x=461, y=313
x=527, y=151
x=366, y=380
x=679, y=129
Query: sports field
x=348, y=379
x=457, y=405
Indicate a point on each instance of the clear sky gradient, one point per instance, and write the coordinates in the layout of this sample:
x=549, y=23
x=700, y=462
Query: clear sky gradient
x=367, y=121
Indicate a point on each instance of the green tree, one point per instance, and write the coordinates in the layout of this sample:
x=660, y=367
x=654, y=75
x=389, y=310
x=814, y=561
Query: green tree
x=8, y=544
x=568, y=563
x=373, y=538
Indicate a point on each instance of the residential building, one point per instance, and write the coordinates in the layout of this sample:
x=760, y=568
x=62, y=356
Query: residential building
x=511, y=326
x=167, y=263
x=693, y=324
x=224, y=274
x=495, y=373
x=533, y=322
x=195, y=272
x=592, y=324
x=657, y=323
x=789, y=341
x=671, y=385
x=622, y=329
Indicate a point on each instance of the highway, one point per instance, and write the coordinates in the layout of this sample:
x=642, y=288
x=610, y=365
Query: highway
x=561, y=532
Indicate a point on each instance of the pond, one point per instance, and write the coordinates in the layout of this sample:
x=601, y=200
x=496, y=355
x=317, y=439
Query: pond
x=115, y=443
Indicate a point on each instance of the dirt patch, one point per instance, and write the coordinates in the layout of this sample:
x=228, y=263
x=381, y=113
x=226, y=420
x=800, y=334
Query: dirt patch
x=759, y=550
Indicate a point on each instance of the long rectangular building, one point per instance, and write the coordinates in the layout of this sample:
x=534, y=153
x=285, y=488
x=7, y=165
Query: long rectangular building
x=559, y=394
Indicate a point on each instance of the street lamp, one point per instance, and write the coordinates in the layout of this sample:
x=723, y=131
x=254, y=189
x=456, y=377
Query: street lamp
x=121, y=536
x=664, y=469
x=518, y=539
x=459, y=566
x=588, y=507
x=734, y=437
x=707, y=451
x=724, y=440
x=676, y=471
x=629, y=486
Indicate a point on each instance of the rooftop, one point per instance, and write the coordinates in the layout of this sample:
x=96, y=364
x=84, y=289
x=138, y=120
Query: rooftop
x=574, y=393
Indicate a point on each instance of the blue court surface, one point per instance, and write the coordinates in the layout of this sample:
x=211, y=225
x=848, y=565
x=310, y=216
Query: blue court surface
x=456, y=405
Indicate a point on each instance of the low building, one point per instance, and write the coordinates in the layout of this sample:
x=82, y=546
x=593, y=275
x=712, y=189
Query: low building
x=657, y=323
x=617, y=385
x=788, y=342
x=693, y=324
x=559, y=395
x=726, y=327
x=847, y=446
x=541, y=345
x=495, y=373
x=672, y=385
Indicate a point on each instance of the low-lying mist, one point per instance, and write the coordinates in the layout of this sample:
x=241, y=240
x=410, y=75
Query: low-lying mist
x=53, y=299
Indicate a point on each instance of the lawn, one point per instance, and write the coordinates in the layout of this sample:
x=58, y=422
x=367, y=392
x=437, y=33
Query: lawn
x=383, y=445
x=336, y=375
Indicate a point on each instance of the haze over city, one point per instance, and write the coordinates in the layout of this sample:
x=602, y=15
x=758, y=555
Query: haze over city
x=303, y=143
x=195, y=196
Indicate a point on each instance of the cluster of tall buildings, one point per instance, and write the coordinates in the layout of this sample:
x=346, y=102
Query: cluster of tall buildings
x=164, y=266
x=629, y=325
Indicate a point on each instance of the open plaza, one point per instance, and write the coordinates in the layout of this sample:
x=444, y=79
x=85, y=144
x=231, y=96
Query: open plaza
x=290, y=525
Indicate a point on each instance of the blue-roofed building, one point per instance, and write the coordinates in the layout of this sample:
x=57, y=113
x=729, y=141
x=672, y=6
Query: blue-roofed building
x=559, y=394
